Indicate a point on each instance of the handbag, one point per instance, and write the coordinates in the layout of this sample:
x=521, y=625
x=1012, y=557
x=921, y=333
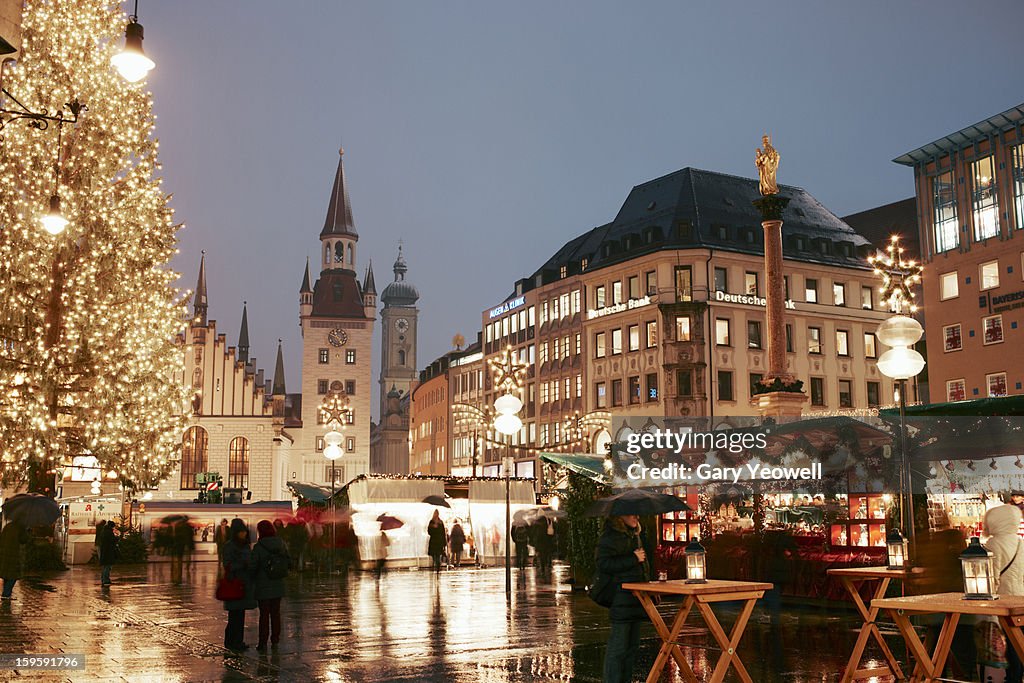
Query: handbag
x=230, y=589
x=603, y=590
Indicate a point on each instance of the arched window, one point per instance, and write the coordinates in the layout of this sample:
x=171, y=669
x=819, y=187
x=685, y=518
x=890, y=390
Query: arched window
x=194, y=451
x=238, y=463
x=401, y=357
x=339, y=252
x=351, y=255
x=327, y=253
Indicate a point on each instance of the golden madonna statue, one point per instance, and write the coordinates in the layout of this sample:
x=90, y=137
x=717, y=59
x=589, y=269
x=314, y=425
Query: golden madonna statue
x=767, y=162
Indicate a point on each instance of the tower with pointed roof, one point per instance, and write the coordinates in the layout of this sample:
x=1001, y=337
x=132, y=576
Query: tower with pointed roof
x=399, y=319
x=336, y=314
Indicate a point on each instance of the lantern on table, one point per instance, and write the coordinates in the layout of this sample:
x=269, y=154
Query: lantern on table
x=896, y=550
x=979, y=576
x=696, y=562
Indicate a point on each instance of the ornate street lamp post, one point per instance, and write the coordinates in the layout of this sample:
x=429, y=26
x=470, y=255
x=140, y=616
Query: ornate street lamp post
x=509, y=372
x=334, y=411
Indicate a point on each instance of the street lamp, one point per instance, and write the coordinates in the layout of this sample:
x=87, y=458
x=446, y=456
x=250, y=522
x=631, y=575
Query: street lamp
x=509, y=372
x=131, y=62
x=334, y=410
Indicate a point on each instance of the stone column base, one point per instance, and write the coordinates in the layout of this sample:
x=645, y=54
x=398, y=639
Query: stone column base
x=779, y=403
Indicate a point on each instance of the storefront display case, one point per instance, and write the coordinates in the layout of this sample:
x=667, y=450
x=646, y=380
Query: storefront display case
x=680, y=527
x=864, y=526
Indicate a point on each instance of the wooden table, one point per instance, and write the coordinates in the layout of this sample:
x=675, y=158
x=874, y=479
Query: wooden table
x=852, y=578
x=1008, y=609
x=701, y=595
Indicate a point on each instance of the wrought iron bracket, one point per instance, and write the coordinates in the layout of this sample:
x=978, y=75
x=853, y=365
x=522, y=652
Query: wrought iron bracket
x=41, y=119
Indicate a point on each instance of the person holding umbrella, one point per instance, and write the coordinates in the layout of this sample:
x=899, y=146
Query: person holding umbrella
x=13, y=536
x=23, y=511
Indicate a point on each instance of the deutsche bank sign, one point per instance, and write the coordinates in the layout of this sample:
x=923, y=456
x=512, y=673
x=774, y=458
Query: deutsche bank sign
x=748, y=299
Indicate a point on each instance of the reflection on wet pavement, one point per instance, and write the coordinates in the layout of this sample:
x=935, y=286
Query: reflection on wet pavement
x=407, y=626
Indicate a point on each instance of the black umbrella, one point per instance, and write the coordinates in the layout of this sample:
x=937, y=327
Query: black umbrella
x=387, y=523
x=174, y=519
x=635, y=502
x=439, y=501
x=32, y=509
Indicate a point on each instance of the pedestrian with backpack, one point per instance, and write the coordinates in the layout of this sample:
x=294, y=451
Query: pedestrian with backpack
x=270, y=567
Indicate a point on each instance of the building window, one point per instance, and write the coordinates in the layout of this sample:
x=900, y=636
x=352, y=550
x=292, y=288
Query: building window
x=684, y=283
x=350, y=357
x=866, y=301
x=634, y=390
x=947, y=234
x=789, y=338
x=949, y=286
x=350, y=387
x=842, y=343
x=579, y=343
x=813, y=340
x=755, y=379
x=651, y=282
x=683, y=328
x=555, y=391
x=600, y=395
x=989, y=275
x=238, y=463
x=845, y=393
x=321, y=386
x=721, y=280
x=563, y=271
x=579, y=386
x=616, y=341
x=874, y=394
x=652, y=333
x=722, y=332
x=350, y=417
x=750, y=283
x=993, y=326
x=544, y=395
x=556, y=349
x=785, y=286
x=194, y=454
x=634, y=338
x=583, y=264
x=956, y=390
x=684, y=383
x=753, y=334
x=599, y=347
x=634, y=287
x=617, y=292
x=811, y=290
x=951, y=339
x=996, y=384
x=1018, y=185
x=543, y=352
x=725, y=385
x=984, y=204
x=652, y=387
x=320, y=444
x=616, y=392
x=323, y=356
x=817, y=391
x=839, y=293
x=870, y=349
x=598, y=297
x=350, y=444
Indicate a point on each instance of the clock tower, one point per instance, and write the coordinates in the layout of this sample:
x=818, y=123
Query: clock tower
x=398, y=334
x=336, y=315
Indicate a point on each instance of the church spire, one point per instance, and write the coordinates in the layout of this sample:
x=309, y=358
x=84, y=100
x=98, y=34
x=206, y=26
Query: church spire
x=400, y=267
x=369, y=286
x=306, y=289
x=277, y=388
x=243, y=336
x=199, y=302
x=339, y=209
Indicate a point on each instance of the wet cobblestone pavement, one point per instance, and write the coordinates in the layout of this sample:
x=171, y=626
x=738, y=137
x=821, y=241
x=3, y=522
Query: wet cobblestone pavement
x=408, y=626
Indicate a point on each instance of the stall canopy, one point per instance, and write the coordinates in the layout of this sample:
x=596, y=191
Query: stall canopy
x=373, y=490
x=586, y=464
x=314, y=493
x=520, y=492
x=1004, y=405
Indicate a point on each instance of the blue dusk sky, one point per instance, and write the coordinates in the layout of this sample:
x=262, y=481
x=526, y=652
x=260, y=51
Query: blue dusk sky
x=485, y=135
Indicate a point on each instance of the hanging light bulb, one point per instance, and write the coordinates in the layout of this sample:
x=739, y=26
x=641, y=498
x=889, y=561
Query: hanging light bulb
x=53, y=220
x=131, y=62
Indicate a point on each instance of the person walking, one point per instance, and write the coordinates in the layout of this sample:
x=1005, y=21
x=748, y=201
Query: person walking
x=107, y=552
x=13, y=536
x=238, y=565
x=457, y=541
x=521, y=537
x=545, y=544
x=1001, y=525
x=220, y=537
x=622, y=556
x=182, y=544
x=438, y=539
x=270, y=563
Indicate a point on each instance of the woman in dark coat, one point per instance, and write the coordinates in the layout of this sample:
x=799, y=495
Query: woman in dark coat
x=107, y=552
x=438, y=540
x=269, y=590
x=458, y=542
x=12, y=538
x=622, y=554
x=238, y=565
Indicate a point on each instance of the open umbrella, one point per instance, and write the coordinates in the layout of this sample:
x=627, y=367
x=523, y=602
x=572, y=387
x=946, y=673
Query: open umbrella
x=32, y=509
x=635, y=502
x=174, y=519
x=439, y=501
x=387, y=522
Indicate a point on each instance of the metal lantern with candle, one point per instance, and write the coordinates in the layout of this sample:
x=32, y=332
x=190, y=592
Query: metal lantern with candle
x=696, y=562
x=979, y=575
x=896, y=550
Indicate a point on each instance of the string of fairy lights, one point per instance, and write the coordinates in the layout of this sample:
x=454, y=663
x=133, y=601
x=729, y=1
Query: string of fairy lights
x=899, y=276
x=88, y=315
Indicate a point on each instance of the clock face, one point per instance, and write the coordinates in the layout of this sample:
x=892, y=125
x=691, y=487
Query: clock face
x=337, y=337
x=401, y=324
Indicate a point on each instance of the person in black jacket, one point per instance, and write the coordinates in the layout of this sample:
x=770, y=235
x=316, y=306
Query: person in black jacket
x=238, y=565
x=622, y=555
x=107, y=550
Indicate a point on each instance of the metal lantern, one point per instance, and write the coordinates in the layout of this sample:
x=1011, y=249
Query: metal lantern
x=979, y=575
x=696, y=562
x=896, y=549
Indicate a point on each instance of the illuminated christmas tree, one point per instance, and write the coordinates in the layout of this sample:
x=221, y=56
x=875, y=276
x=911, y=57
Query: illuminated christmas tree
x=88, y=317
